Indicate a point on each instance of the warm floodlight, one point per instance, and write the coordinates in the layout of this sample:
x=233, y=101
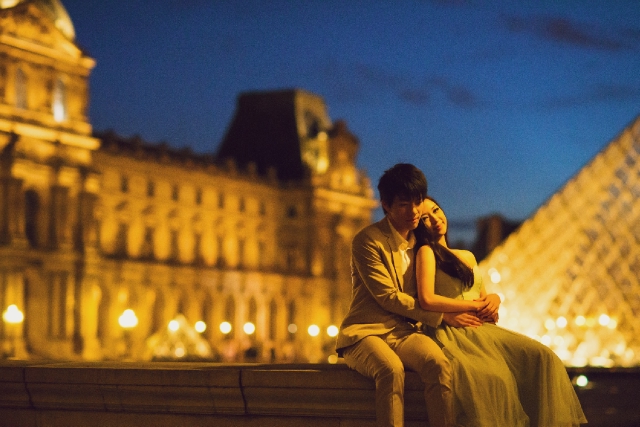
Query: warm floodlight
x=200, y=326
x=249, y=328
x=225, y=327
x=12, y=315
x=128, y=319
x=313, y=330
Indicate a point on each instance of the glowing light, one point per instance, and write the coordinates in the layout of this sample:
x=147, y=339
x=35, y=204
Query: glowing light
x=580, y=320
x=313, y=330
x=332, y=330
x=179, y=351
x=612, y=324
x=249, y=328
x=561, y=322
x=333, y=359
x=12, y=315
x=174, y=325
x=603, y=320
x=225, y=327
x=558, y=341
x=292, y=328
x=549, y=324
x=200, y=326
x=128, y=319
x=546, y=340
x=581, y=381
x=494, y=275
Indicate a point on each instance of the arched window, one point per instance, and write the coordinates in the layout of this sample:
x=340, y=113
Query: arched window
x=21, y=89
x=59, y=106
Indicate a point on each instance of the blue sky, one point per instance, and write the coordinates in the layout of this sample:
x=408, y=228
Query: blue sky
x=499, y=102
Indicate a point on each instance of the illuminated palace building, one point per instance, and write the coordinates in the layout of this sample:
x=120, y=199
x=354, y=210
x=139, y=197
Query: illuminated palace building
x=113, y=247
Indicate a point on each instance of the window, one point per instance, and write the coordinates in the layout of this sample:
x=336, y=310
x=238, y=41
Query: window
x=273, y=319
x=151, y=189
x=124, y=184
x=221, y=201
x=175, y=192
x=21, y=89
x=146, y=251
x=241, y=204
x=32, y=210
x=58, y=304
x=121, y=240
x=175, y=253
x=292, y=320
x=197, y=249
x=241, y=257
x=198, y=196
x=59, y=101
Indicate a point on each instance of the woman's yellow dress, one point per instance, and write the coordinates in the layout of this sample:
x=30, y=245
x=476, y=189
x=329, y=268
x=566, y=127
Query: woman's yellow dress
x=503, y=378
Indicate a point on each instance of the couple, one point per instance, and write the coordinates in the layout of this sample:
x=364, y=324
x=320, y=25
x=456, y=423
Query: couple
x=420, y=305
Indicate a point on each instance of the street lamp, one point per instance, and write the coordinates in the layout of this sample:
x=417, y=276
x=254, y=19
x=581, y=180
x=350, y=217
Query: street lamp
x=13, y=317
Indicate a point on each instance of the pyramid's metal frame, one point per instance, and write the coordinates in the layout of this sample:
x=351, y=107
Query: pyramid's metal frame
x=570, y=275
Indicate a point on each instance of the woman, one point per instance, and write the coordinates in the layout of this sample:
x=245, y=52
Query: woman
x=501, y=378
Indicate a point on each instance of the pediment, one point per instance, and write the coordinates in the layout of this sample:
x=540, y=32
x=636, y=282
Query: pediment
x=27, y=25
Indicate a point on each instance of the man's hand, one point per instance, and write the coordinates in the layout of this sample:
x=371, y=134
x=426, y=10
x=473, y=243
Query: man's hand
x=462, y=319
x=490, y=310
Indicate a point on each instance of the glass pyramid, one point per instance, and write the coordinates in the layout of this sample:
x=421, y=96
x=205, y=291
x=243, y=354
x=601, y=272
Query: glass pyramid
x=570, y=275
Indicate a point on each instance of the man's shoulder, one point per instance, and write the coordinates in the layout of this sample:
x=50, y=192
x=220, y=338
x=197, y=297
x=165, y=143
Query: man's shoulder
x=376, y=230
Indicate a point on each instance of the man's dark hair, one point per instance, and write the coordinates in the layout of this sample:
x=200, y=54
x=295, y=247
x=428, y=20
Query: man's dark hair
x=403, y=180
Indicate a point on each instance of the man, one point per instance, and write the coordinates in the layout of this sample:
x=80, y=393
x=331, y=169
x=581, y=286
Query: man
x=378, y=337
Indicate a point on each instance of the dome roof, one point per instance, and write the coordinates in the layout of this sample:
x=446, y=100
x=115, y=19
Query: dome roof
x=54, y=9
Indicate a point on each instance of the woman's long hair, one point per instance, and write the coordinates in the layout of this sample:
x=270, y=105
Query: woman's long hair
x=445, y=259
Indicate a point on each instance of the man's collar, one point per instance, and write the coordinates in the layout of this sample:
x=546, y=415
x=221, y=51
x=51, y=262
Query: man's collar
x=400, y=242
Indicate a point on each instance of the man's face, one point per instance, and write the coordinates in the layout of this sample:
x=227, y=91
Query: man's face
x=404, y=214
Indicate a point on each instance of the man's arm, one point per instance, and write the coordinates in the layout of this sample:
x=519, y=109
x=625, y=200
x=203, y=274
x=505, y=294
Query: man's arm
x=376, y=276
x=461, y=319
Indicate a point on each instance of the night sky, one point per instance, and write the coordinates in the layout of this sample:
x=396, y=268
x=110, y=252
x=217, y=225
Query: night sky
x=498, y=102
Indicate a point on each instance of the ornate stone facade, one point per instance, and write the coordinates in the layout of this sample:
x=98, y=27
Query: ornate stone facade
x=93, y=225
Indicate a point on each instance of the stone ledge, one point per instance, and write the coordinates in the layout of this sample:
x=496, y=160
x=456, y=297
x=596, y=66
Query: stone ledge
x=182, y=393
x=206, y=394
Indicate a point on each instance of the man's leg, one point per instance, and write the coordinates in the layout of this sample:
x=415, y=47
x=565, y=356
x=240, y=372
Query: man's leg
x=421, y=354
x=373, y=358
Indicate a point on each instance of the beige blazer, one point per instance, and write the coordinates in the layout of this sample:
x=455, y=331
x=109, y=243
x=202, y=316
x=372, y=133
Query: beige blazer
x=378, y=302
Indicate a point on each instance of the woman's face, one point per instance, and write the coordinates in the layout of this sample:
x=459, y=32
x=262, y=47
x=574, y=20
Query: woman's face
x=434, y=218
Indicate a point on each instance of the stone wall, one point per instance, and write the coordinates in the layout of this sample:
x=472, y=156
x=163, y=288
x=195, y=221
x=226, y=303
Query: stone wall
x=86, y=394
